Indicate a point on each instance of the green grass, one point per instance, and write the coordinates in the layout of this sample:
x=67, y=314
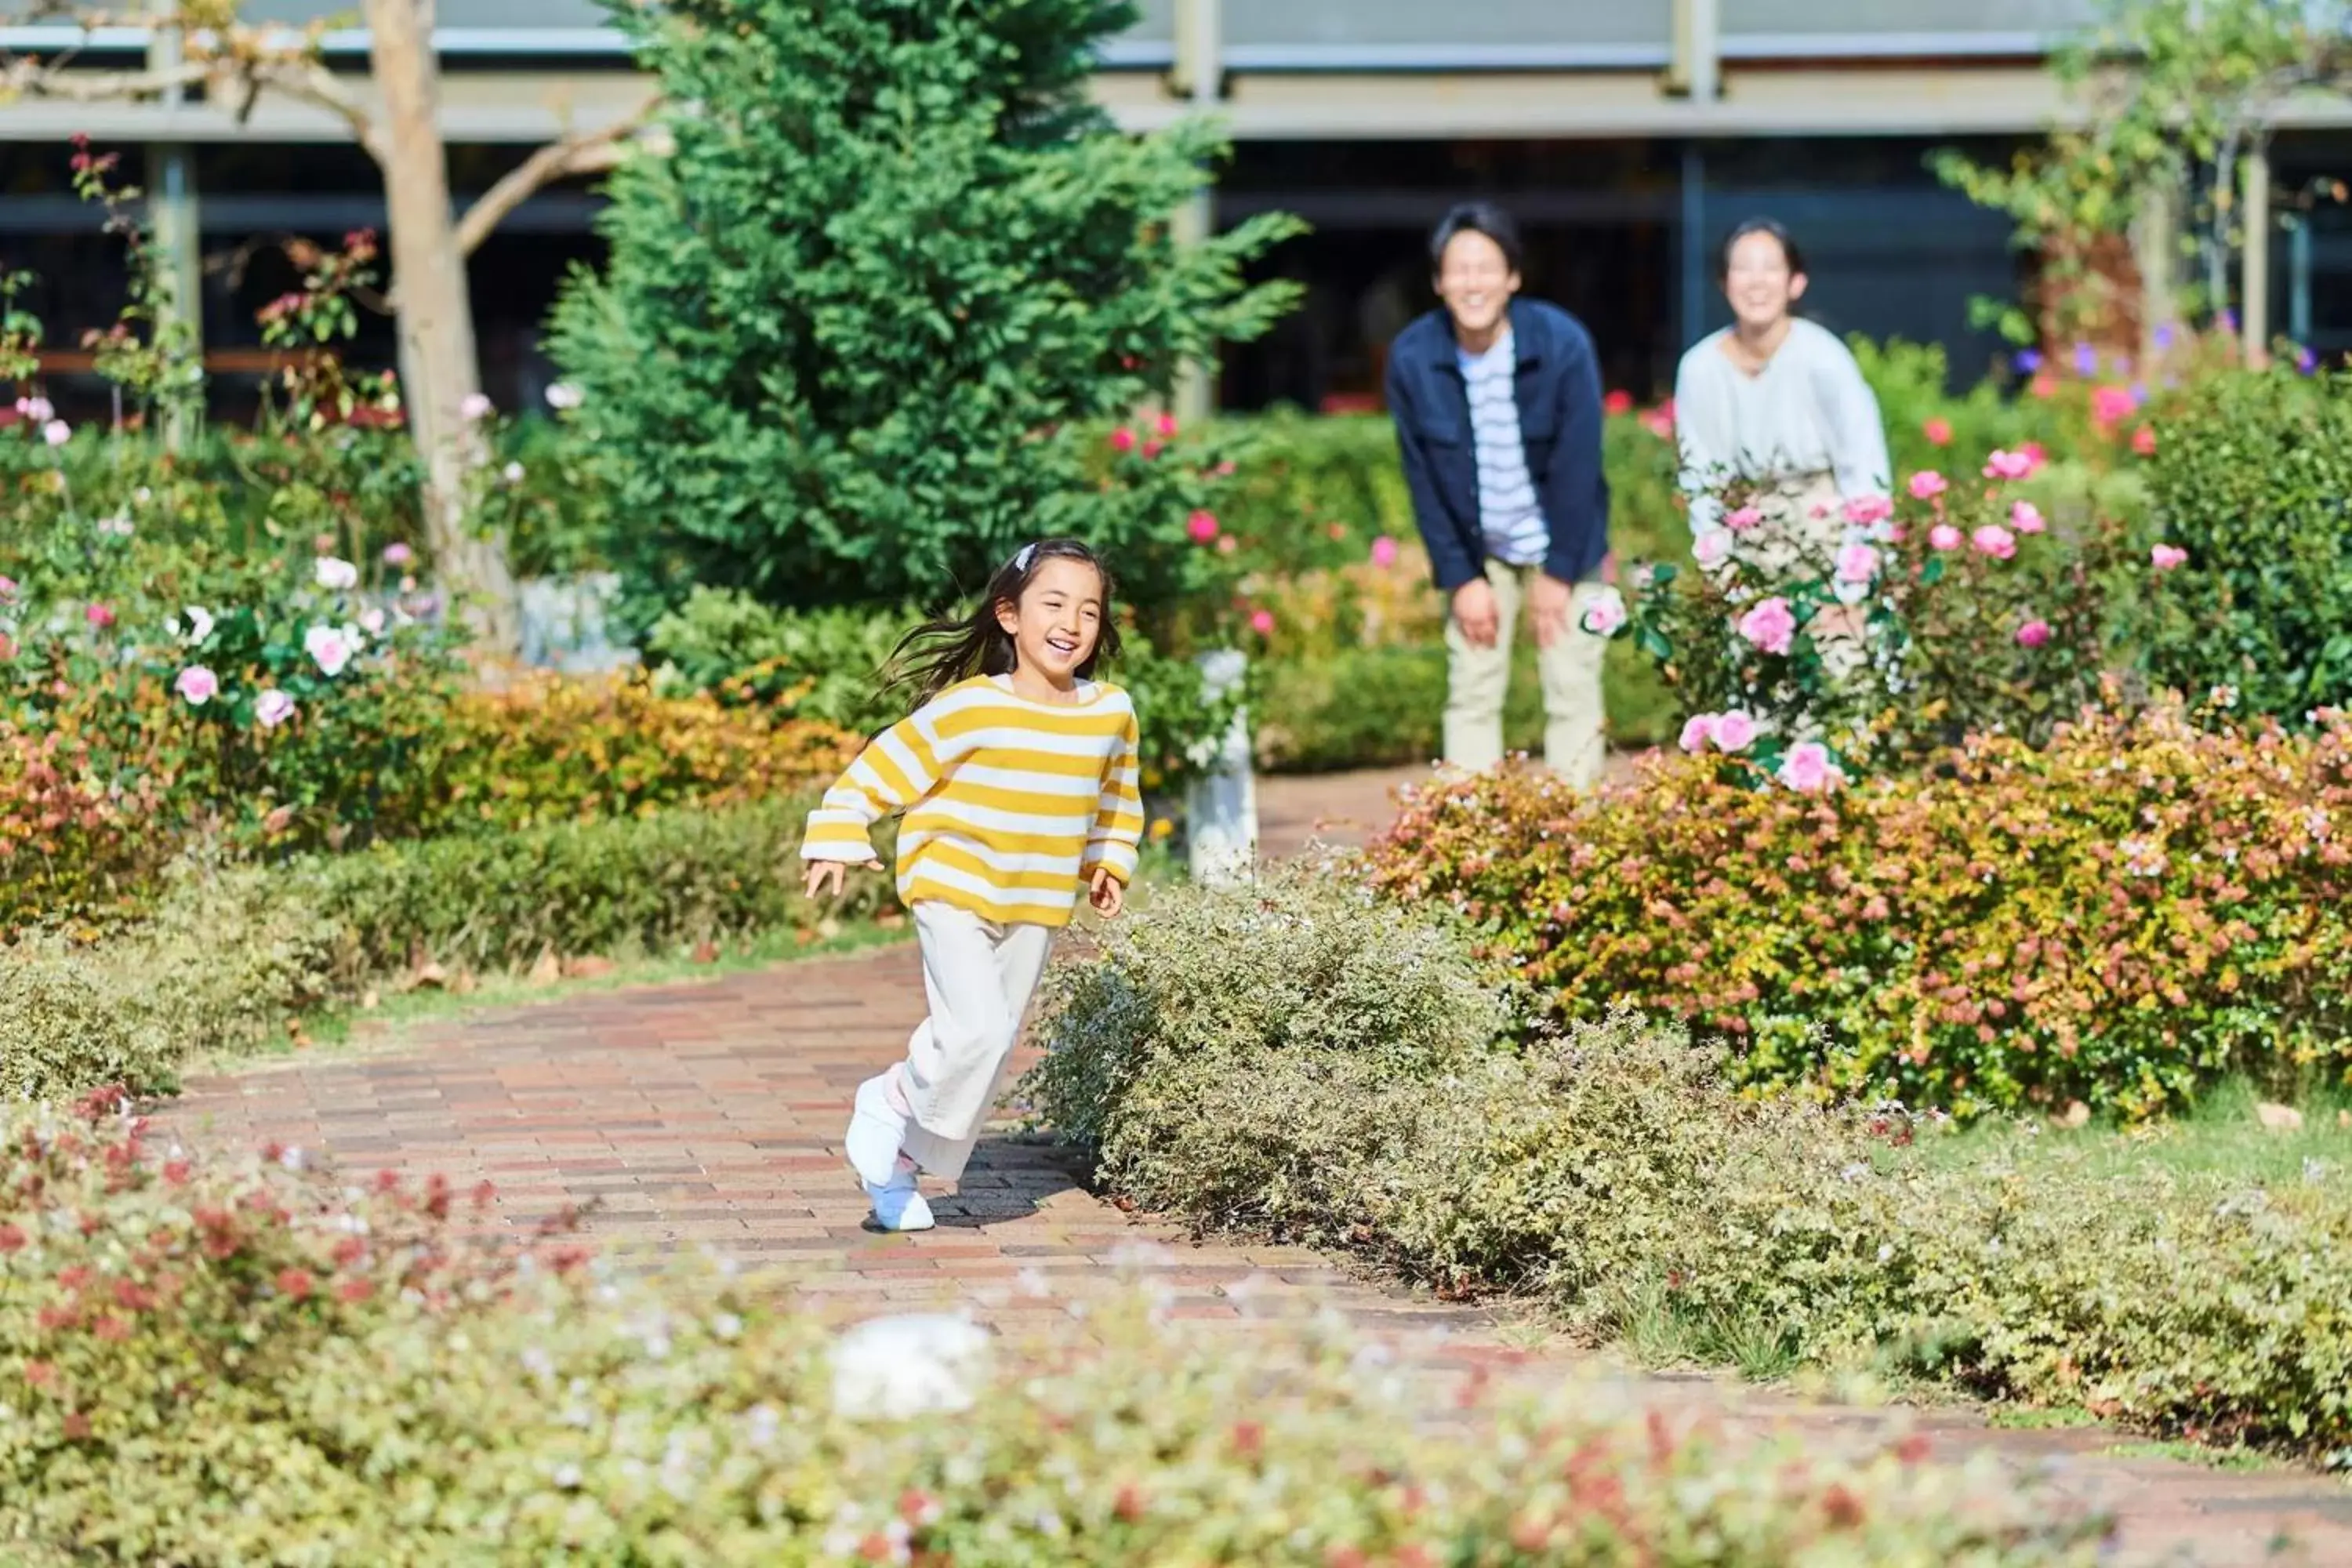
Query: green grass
x=2222, y=1136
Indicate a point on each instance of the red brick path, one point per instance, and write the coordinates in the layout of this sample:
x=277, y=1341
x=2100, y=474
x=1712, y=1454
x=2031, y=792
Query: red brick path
x=709, y=1115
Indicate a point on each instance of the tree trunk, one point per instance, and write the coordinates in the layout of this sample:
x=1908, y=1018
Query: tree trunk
x=435, y=318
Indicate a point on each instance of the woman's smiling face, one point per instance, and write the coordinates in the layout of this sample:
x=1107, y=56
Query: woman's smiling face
x=1759, y=281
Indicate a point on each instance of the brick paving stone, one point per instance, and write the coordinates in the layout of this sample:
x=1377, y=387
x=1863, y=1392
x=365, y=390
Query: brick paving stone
x=707, y=1116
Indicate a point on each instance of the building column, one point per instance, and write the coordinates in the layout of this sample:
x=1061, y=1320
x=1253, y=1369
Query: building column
x=1694, y=278
x=1697, y=69
x=1199, y=78
x=174, y=220
x=2156, y=248
x=2255, y=261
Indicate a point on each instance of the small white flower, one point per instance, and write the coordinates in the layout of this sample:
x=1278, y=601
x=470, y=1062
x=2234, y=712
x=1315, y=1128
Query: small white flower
x=563, y=394
x=567, y=1477
x=1885, y=1251
x=916, y=1364
x=474, y=408
x=335, y=573
x=513, y=473
x=371, y=621
x=290, y=1157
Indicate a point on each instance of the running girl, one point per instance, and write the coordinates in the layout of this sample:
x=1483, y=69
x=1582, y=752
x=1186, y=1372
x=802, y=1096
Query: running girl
x=1017, y=775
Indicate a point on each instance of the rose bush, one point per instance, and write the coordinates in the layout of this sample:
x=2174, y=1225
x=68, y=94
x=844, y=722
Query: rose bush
x=1957, y=606
x=2125, y=916
x=214, y=1363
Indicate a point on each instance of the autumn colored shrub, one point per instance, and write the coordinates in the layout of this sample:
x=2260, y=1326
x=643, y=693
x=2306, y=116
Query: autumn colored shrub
x=210, y=1364
x=555, y=749
x=1292, y=1059
x=2124, y=917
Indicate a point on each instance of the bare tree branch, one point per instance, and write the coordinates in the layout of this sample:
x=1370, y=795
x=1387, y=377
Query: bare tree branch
x=26, y=77
x=306, y=80
x=587, y=155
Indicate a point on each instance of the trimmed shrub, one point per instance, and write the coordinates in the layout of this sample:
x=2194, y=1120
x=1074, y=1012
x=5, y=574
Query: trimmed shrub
x=1207, y=1053
x=554, y=749
x=2125, y=917
x=2249, y=477
x=221, y=1367
x=231, y=954
x=619, y=888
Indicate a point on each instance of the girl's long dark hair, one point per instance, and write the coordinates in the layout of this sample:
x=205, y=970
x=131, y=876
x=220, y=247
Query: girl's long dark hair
x=939, y=653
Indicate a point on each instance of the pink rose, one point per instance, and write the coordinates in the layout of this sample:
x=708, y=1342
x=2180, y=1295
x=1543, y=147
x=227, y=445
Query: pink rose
x=7, y=590
x=1201, y=526
x=1856, y=563
x=1605, y=614
x=1384, y=551
x=197, y=684
x=1995, y=541
x=1697, y=731
x=2033, y=634
x=1807, y=769
x=57, y=432
x=2009, y=466
x=1712, y=547
x=1741, y=521
x=2026, y=518
x=1122, y=439
x=1770, y=625
x=1864, y=510
x=398, y=554
x=1944, y=536
x=1928, y=484
x=99, y=615
x=1262, y=623
x=2037, y=452
x=473, y=407
x=1154, y=446
x=1228, y=544
x=2144, y=440
x=1938, y=431
x=2113, y=405
x=2164, y=557
x=1733, y=732
x=1166, y=426
x=273, y=708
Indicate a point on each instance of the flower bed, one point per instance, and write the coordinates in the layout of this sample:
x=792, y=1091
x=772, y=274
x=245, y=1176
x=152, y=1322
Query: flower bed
x=2124, y=917
x=1301, y=1060
x=230, y=1365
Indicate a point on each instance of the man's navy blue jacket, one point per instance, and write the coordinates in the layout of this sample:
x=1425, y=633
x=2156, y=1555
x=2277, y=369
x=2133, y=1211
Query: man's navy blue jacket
x=1559, y=392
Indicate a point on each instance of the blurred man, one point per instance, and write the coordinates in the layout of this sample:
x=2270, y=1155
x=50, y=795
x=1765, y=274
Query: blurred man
x=1498, y=408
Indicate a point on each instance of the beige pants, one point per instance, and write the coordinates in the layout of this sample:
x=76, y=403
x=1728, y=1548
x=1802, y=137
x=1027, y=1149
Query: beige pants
x=1478, y=679
x=979, y=977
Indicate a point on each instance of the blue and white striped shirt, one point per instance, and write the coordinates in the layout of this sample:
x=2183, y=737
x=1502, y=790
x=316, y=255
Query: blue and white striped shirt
x=1510, y=515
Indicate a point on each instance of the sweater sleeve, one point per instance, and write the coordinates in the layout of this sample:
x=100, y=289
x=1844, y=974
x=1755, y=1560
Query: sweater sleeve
x=1704, y=442
x=1449, y=562
x=898, y=768
x=1850, y=418
x=1119, y=814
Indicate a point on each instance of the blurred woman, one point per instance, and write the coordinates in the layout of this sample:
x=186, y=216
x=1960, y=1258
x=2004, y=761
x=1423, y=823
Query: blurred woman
x=1777, y=400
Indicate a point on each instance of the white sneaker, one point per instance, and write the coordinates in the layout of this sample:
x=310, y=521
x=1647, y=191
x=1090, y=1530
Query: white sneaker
x=897, y=1206
x=876, y=1132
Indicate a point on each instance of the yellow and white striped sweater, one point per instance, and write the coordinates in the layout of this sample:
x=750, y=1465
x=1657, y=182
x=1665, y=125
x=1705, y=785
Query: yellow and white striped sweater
x=1010, y=804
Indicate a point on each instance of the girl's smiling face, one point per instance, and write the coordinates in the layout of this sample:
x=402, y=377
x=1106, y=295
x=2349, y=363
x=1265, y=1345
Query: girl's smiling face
x=1058, y=620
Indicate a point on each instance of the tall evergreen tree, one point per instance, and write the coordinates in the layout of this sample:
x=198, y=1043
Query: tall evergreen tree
x=855, y=326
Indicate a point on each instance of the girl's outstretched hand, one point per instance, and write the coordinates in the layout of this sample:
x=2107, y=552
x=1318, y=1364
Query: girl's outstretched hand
x=1106, y=895
x=829, y=874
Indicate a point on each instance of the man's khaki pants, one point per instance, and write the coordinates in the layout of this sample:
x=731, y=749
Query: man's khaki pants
x=1478, y=679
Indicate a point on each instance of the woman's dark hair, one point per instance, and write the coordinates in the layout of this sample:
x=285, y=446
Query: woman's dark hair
x=1756, y=225
x=1476, y=217
x=939, y=653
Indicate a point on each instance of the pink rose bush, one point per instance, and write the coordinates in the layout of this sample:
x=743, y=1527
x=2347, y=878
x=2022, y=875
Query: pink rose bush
x=1953, y=605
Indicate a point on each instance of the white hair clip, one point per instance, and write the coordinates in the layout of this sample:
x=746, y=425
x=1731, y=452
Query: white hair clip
x=1022, y=556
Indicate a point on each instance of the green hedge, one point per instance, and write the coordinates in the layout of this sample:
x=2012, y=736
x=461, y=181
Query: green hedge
x=1301, y=1060
x=232, y=952
x=226, y=1363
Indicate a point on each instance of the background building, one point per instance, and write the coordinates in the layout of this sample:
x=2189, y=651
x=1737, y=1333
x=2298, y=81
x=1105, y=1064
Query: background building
x=1627, y=134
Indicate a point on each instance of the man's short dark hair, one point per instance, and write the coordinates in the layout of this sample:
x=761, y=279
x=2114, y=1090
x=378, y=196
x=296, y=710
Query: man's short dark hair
x=1476, y=217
